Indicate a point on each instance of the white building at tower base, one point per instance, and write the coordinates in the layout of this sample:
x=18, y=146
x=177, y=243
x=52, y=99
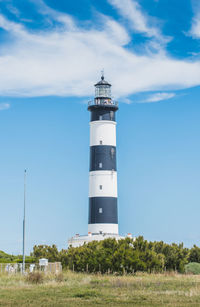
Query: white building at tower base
x=79, y=240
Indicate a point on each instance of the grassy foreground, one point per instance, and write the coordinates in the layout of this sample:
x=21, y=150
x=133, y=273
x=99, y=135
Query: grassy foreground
x=72, y=289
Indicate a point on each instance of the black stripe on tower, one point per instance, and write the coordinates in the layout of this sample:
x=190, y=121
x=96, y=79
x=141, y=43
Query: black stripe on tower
x=103, y=158
x=102, y=114
x=103, y=210
x=102, y=111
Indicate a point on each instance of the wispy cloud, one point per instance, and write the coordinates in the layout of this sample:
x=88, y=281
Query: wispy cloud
x=131, y=10
x=195, y=29
x=66, y=59
x=64, y=18
x=140, y=22
x=126, y=100
x=13, y=10
x=158, y=97
x=115, y=31
x=4, y=106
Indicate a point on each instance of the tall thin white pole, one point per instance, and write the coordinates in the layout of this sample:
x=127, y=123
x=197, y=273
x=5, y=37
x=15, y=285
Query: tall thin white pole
x=24, y=223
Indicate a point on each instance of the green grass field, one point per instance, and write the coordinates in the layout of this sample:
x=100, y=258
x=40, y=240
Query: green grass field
x=71, y=289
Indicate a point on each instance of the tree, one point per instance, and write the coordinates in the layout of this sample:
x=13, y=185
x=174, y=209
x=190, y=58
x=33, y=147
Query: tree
x=194, y=254
x=46, y=251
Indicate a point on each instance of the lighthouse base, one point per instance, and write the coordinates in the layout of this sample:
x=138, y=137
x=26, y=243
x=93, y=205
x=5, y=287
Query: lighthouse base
x=78, y=240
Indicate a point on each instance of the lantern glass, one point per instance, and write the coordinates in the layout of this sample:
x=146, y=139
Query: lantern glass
x=103, y=91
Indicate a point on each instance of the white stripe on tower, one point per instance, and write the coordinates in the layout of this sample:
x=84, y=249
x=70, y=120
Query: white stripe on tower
x=103, y=132
x=103, y=228
x=103, y=184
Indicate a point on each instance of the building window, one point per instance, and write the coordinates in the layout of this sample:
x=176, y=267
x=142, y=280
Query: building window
x=101, y=142
x=111, y=115
x=112, y=152
x=100, y=117
x=100, y=210
x=100, y=165
x=100, y=187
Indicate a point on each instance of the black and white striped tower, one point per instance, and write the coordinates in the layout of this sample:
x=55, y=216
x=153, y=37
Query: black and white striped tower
x=103, y=215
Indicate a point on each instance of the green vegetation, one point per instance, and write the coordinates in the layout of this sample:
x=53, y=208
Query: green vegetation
x=81, y=289
x=123, y=256
x=192, y=268
x=111, y=256
x=119, y=273
x=6, y=258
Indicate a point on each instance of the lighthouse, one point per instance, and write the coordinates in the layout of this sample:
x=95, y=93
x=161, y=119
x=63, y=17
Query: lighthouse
x=103, y=214
x=103, y=206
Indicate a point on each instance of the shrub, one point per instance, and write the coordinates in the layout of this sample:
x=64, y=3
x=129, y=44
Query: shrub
x=192, y=268
x=35, y=278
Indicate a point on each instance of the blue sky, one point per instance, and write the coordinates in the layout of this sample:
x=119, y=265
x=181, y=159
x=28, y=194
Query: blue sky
x=51, y=54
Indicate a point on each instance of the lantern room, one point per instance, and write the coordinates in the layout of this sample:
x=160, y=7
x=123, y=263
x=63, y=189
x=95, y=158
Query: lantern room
x=102, y=89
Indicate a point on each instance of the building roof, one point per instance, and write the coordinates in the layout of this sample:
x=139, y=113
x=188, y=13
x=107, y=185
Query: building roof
x=102, y=82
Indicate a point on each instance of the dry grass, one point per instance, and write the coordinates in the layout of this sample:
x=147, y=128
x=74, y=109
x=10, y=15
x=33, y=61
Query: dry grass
x=71, y=289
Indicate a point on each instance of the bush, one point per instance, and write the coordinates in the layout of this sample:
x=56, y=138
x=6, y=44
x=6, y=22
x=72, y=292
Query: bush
x=35, y=278
x=192, y=268
x=59, y=277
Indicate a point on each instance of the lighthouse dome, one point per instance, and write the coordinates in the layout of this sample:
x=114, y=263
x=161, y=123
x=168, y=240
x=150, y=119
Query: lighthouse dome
x=102, y=82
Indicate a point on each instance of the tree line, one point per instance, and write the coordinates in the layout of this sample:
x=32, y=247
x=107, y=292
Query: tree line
x=125, y=255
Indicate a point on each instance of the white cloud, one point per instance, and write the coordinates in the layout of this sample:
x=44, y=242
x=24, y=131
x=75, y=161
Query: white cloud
x=10, y=26
x=141, y=23
x=159, y=97
x=195, y=29
x=13, y=10
x=4, y=106
x=131, y=10
x=126, y=100
x=66, y=60
x=115, y=31
x=64, y=18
